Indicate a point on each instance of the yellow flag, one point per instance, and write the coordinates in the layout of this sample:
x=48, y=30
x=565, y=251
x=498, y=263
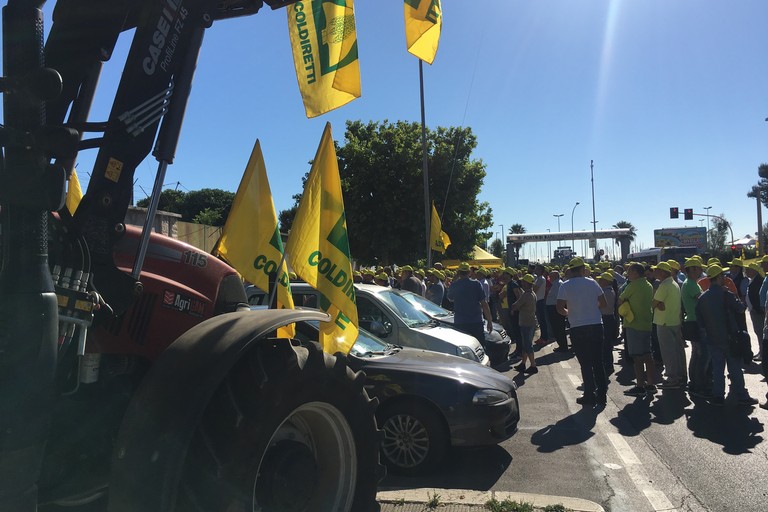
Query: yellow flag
x=318, y=248
x=74, y=193
x=439, y=241
x=324, y=44
x=251, y=240
x=423, y=21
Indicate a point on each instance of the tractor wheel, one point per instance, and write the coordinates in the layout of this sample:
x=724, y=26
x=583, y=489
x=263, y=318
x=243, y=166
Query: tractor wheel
x=290, y=430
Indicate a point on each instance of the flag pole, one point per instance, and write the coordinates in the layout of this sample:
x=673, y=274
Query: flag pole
x=273, y=292
x=424, y=163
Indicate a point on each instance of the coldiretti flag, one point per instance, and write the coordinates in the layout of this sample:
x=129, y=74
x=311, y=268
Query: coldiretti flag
x=318, y=248
x=74, y=193
x=423, y=21
x=251, y=240
x=439, y=241
x=324, y=45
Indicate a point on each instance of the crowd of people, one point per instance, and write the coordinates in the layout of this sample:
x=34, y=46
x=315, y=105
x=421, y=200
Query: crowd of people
x=652, y=310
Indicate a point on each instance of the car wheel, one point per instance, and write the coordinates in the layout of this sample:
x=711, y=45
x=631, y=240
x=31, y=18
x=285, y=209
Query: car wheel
x=414, y=438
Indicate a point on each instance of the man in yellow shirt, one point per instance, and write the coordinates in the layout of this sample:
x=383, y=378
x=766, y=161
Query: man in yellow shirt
x=666, y=317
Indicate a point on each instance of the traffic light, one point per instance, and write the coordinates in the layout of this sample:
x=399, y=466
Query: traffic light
x=688, y=213
x=673, y=213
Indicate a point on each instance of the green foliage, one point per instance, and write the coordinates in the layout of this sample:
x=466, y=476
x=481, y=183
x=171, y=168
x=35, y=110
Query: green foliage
x=626, y=224
x=495, y=505
x=433, y=500
x=761, y=189
x=381, y=176
x=719, y=236
x=209, y=204
x=209, y=217
x=497, y=248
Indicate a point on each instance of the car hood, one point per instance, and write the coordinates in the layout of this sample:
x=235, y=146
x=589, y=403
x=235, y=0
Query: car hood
x=439, y=365
x=449, y=335
x=450, y=320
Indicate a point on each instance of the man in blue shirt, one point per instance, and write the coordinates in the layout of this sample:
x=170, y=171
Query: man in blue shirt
x=469, y=304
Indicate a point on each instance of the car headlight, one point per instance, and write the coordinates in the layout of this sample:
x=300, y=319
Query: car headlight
x=489, y=397
x=466, y=353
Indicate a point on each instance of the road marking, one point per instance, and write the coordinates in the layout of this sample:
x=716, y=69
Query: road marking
x=565, y=364
x=632, y=464
x=622, y=448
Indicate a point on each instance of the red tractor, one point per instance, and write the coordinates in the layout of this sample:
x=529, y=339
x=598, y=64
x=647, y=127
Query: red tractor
x=133, y=376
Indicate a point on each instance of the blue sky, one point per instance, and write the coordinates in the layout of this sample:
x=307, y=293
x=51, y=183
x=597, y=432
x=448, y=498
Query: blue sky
x=668, y=97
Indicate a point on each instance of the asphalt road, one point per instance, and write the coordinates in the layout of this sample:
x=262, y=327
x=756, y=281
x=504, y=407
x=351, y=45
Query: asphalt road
x=665, y=453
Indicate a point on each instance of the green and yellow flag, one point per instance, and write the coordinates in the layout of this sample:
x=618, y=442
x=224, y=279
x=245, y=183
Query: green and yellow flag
x=439, y=241
x=423, y=21
x=324, y=44
x=318, y=248
x=251, y=240
x=74, y=193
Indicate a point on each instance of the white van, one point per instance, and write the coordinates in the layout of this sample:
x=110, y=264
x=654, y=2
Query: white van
x=387, y=314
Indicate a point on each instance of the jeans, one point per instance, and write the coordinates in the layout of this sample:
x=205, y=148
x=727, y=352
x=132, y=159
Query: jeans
x=476, y=329
x=527, y=335
x=587, y=341
x=609, y=335
x=541, y=316
x=758, y=324
x=721, y=358
x=557, y=321
x=673, y=352
x=700, y=367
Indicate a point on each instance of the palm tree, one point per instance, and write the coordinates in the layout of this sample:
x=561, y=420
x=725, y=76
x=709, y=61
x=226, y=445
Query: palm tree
x=517, y=229
x=626, y=240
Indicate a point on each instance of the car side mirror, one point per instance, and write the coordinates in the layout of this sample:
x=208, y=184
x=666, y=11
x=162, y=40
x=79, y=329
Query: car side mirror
x=380, y=330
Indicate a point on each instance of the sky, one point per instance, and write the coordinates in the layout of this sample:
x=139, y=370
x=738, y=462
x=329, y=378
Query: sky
x=668, y=98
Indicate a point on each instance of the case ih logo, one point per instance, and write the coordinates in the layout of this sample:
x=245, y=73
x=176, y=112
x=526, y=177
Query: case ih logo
x=179, y=302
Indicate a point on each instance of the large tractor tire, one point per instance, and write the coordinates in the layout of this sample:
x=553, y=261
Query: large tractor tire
x=289, y=430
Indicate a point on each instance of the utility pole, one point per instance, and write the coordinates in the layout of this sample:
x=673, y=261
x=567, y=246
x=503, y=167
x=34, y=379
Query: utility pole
x=594, y=222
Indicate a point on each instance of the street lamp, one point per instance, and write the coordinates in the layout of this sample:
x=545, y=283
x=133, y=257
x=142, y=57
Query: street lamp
x=573, y=238
x=707, y=237
x=558, y=215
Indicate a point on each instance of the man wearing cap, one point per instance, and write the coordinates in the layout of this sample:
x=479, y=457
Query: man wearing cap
x=580, y=299
x=381, y=279
x=407, y=281
x=716, y=313
x=756, y=309
x=367, y=276
x=699, y=367
x=556, y=320
x=526, y=305
x=635, y=305
x=605, y=280
x=482, y=277
x=666, y=317
x=436, y=289
x=419, y=274
x=540, y=290
x=739, y=278
x=469, y=304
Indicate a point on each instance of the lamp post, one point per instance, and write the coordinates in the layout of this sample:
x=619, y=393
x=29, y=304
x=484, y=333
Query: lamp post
x=707, y=237
x=549, y=247
x=558, y=215
x=573, y=238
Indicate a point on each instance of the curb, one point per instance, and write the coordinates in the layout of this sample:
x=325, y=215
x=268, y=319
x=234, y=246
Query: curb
x=470, y=497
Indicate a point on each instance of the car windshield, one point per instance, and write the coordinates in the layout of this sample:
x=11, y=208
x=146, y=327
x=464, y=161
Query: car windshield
x=426, y=305
x=412, y=316
x=366, y=345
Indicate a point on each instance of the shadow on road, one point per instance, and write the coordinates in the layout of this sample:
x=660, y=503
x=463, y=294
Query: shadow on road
x=464, y=468
x=569, y=431
x=731, y=427
x=669, y=405
x=634, y=417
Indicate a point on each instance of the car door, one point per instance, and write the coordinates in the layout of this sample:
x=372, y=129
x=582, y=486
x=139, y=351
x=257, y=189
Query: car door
x=375, y=319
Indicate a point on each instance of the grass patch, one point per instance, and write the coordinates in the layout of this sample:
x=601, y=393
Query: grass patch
x=495, y=505
x=555, y=508
x=433, y=500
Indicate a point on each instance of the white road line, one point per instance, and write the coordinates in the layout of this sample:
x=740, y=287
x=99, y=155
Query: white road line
x=632, y=464
x=565, y=364
x=622, y=448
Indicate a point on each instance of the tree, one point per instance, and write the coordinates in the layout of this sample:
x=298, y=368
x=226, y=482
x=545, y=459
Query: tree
x=497, y=248
x=381, y=177
x=761, y=188
x=625, y=241
x=719, y=234
x=517, y=229
x=210, y=204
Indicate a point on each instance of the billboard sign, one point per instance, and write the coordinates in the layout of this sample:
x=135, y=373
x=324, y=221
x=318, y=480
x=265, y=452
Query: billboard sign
x=681, y=237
